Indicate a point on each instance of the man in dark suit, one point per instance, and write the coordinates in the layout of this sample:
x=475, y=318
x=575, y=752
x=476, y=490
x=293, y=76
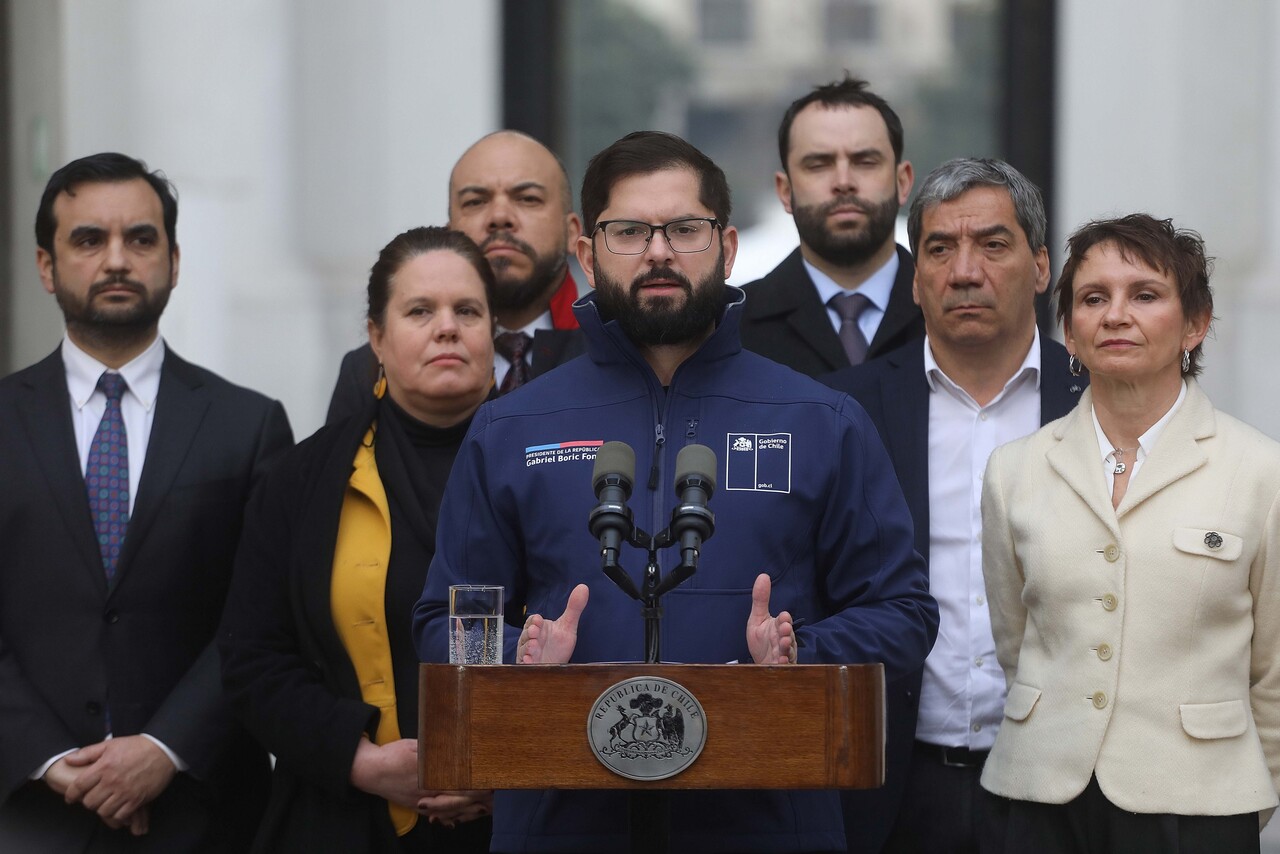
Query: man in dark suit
x=983, y=376
x=844, y=295
x=114, y=735
x=510, y=195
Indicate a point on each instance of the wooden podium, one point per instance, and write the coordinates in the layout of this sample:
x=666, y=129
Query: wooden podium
x=526, y=727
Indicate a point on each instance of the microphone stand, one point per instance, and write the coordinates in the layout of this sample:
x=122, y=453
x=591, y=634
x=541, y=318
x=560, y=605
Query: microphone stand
x=691, y=522
x=649, y=809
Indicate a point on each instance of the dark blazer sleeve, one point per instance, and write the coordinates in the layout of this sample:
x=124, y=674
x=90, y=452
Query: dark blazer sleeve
x=356, y=376
x=276, y=681
x=194, y=721
x=31, y=733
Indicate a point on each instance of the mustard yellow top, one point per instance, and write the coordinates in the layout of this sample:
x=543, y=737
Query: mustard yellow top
x=357, y=599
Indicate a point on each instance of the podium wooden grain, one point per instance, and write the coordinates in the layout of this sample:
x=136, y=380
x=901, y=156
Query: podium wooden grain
x=525, y=727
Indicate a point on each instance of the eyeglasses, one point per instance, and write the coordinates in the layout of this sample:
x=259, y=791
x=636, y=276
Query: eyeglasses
x=628, y=237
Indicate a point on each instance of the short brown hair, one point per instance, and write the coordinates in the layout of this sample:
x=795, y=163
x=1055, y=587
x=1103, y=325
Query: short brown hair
x=1175, y=252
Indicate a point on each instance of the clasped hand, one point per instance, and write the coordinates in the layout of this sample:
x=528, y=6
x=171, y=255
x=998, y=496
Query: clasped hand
x=390, y=771
x=115, y=778
x=772, y=640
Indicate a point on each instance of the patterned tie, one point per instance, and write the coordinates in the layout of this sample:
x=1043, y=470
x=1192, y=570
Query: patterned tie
x=512, y=346
x=107, y=475
x=850, y=307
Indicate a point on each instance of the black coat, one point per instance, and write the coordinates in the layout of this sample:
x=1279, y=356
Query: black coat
x=287, y=673
x=785, y=320
x=70, y=643
x=895, y=392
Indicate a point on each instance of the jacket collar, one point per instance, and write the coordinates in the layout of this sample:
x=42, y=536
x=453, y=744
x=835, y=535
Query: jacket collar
x=1177, y=454
x=607, y=343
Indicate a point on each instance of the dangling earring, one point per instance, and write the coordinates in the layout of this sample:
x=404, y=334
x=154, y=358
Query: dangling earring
x=1186, y=361
x=380, y=387
x=1074, y=366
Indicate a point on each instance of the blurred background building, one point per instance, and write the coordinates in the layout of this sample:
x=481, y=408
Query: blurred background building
x=303, y=134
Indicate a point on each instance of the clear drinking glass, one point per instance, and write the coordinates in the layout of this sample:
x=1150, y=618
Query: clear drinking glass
x=475, y=624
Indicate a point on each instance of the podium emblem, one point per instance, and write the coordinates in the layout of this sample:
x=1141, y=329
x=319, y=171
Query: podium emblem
x=647, y=728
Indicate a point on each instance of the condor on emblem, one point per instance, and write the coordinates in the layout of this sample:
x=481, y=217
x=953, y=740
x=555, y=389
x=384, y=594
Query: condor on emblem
x=647, y=728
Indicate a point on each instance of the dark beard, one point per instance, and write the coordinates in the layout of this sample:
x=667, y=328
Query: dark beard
x=513, y=296
x=846, y=248
x=111, y=325
x=663, y=321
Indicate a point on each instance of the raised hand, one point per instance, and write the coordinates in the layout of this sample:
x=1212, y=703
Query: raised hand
x=544, y=641
x=772, y=640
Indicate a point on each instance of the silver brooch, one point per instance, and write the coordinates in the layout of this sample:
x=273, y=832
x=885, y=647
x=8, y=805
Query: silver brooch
x=1213, y=540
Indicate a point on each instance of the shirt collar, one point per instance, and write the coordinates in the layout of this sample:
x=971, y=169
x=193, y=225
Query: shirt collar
x=142, y=373
x=1030, y=367
x=877, y=287
x=1147, y=440
x=542, y=321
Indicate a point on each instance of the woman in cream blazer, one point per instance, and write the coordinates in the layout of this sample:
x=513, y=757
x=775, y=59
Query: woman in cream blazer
x=1132, y=559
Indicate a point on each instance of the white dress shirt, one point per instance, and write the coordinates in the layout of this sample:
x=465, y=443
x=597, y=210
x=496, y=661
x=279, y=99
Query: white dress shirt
x=137, y=405
x=962, y=693
x=500, y=363
x=1146, y=442
x=876, y=289
x=138, y=410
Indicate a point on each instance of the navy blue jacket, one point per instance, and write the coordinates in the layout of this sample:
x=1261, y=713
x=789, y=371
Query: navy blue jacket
x=805, y=493
x=895, y=393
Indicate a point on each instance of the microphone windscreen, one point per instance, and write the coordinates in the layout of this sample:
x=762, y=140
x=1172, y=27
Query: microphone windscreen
x=696, y=460
x=614, y=458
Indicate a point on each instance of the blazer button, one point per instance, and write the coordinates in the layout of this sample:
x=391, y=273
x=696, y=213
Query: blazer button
x=1104, y=651
x=92, y=708
x=1111, y=553
x=1109, y=601
x=1099, y=700
x=111, y=617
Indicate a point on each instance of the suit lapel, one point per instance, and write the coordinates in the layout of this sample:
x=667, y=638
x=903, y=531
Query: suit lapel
x=320, y=518
x=1177, y=452
x=180, y=408
x=552, y=348
x=46, y=418
x=807, y=316
x=900, y=311
x=1076, y=459
x=1059, y=390
x=904, y=400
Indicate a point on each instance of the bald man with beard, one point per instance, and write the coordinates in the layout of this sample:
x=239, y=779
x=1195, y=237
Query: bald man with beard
x=510, y=194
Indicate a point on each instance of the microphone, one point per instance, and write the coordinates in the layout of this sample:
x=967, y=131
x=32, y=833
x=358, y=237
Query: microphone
x=610, y=522
x=692, y=521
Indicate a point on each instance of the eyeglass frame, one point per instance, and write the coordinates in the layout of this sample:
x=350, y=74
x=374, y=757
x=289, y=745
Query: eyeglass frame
x=653, y=229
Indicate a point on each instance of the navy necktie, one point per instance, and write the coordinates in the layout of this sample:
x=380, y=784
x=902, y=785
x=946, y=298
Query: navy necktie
x=850, y=307
x=107, y=475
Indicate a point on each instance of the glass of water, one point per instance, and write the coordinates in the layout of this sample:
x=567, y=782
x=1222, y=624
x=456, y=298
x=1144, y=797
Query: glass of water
x=475, y=624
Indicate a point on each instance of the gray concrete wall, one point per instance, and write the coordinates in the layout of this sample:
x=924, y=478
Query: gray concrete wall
x=302, y=136
x=1170, y=107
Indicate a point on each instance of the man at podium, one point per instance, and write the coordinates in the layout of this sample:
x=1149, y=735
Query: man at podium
x=812, y=559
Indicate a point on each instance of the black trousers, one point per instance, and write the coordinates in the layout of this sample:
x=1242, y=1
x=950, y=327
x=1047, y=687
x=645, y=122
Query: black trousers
x=1090, y=824
x=944, y=809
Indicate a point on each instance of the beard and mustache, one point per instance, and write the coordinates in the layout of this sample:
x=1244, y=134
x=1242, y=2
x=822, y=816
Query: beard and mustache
x=513, y=295
x=103, y=319
x=662, y=321
x=846, y=248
